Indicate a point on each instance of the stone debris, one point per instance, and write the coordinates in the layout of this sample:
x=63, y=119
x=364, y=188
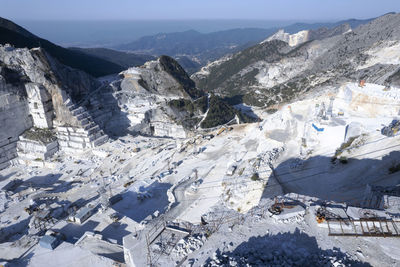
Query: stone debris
x=279, y=254
x=189, y=244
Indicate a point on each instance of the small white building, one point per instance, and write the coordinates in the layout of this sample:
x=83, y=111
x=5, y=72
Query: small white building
x=82, y=215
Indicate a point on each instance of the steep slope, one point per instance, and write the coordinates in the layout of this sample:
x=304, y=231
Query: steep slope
x=305, y=61
x=124, y=59
x=163, y=76
x=10, y=33
x=160, y=99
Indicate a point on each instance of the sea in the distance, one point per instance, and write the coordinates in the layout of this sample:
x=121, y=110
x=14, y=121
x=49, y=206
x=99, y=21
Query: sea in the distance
x=111, y=33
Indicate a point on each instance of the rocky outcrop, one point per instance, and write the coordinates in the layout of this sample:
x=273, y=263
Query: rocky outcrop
x=40, y=105
x=143, y=94
x=308, y=35
x=163, y=76
x=291, y=39
x=37, y=91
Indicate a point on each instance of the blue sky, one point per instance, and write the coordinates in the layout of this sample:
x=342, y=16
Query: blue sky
x=190, y=9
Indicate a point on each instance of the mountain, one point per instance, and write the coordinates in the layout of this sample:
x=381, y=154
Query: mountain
x=201, y=48
x=192, y=42
x=181, y=105
x=10, y=33
x=285, y=65
x=353, y=23
x=123, y=59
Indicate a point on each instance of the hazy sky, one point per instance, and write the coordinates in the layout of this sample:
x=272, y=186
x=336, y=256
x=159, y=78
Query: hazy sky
x=195, y=9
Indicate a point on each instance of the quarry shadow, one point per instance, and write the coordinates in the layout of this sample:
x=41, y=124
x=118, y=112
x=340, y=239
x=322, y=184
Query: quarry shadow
x=115, y=231
x=284, y=249
x=75, y=231
x=139, y=206
x=116, y=256
x=42, y=181
x=246, y=110
x=15, y=231
x=22, y=262
x=326, y=179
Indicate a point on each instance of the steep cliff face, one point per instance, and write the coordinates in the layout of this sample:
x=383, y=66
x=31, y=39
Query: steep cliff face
x=35, y=66
x=14, y=117
x=163, y=76
x=37, y=91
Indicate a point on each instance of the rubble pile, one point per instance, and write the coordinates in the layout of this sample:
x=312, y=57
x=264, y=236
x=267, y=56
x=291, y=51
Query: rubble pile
x=292, y=251
x=189, y=244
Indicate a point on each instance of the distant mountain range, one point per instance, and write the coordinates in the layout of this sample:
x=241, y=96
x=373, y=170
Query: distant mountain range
x=202, y=48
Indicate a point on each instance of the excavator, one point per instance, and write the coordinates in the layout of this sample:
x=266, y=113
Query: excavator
x=278, y=207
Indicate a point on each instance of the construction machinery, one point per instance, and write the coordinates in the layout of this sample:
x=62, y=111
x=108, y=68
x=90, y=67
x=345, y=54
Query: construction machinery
x=392, y=129
x=277, y=207
x=321, y=217
x=127, y=184
x=323, y=214
x=31, y=209
x=221, y=130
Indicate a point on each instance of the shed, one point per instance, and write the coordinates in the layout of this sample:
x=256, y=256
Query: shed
x=83, y=214
x=49, y=241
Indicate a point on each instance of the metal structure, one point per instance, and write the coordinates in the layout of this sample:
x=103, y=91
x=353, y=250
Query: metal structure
x=166, y=236
x=330, y=108
x=368, y=227
x=43, y=220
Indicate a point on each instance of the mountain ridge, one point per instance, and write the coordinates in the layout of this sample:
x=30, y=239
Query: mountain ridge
x=11, y=33
x=263, y=80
